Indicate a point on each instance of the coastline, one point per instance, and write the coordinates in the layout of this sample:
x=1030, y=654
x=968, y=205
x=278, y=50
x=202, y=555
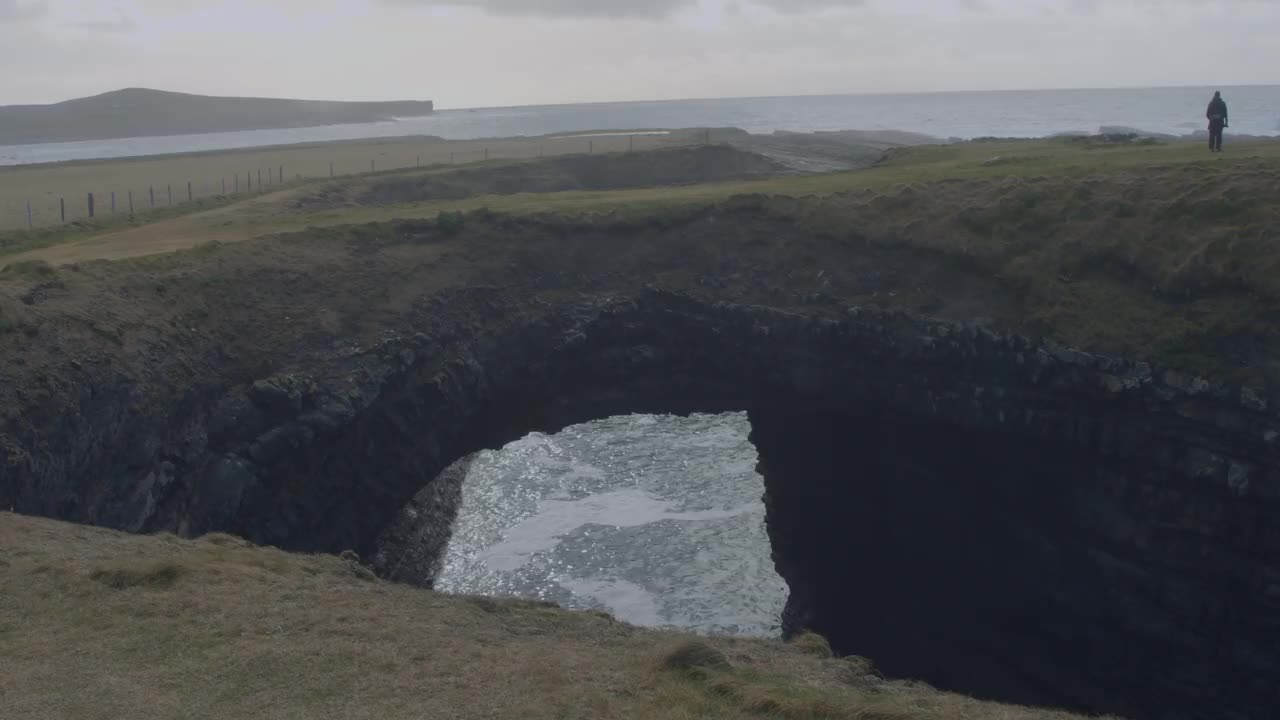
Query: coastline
x=1166, y=112
x=216, y=174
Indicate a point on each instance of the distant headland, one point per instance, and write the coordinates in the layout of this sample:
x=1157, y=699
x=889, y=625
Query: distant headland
x=139, y=112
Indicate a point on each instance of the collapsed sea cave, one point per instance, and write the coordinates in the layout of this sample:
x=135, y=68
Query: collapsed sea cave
x=1018, y=522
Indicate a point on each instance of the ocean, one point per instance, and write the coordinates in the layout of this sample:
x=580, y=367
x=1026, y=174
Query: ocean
x=1255, y=110
x=657, y=520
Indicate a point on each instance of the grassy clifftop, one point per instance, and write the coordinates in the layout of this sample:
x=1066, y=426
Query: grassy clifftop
x=1147, y=251
x=138, y=112
x=102, y=624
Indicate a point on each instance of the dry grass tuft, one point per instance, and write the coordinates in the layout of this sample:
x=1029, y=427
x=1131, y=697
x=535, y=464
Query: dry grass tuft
x=29, y=270
x=696, y=655
x=860, y=668
x=813, y=644
x=756, y=694
x=224, y=540
x=158, y=576
x=509, y=606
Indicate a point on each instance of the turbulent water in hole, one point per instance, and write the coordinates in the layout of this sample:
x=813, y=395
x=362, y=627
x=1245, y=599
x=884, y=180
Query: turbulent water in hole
x=656, y=519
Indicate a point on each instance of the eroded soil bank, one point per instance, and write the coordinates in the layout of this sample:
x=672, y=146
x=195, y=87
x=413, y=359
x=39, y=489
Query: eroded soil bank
x=965, y=502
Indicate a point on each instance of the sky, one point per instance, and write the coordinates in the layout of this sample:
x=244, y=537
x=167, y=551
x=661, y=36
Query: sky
x=481, y=53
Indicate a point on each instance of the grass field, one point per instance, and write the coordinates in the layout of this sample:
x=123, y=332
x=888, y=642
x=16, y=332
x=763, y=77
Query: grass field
x=44, y=186
x=98, y=624
x=274, y=212
x=1158, y=252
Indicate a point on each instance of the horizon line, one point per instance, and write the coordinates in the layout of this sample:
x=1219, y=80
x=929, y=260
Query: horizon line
x=886, y=93
x=882, y=93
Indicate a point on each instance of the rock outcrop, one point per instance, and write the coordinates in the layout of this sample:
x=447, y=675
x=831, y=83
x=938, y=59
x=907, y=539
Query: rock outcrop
x=998, y=516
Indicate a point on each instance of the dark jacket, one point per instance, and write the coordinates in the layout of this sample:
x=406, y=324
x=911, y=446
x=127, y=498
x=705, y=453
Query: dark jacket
x=1217, y=111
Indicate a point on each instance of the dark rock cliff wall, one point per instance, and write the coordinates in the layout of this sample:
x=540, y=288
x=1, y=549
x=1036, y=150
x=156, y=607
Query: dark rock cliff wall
x=1020, y=568
x=1028, y=523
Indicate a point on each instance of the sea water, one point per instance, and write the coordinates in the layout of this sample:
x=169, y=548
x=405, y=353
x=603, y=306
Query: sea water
x=1255, y=110
x=657, y=520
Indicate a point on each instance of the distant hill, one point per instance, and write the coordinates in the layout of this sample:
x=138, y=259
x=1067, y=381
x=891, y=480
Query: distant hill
x=138, y=112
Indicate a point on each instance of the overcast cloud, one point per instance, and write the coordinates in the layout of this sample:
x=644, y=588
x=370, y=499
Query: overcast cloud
x=17, y=10
x=466, y=53
x=566, y=8
x=619, y=8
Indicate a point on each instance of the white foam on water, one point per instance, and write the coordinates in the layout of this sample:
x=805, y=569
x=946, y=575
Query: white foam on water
x=557, y=518
x=621, y=598
x=655, y=519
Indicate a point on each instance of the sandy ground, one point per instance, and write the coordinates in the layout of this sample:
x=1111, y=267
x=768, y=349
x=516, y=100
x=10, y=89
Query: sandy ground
x=45, y=187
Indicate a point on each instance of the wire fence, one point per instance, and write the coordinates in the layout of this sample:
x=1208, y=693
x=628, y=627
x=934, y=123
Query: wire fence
x=97, y=192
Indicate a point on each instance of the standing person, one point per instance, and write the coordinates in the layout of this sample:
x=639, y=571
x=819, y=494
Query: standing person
x=1217, y=114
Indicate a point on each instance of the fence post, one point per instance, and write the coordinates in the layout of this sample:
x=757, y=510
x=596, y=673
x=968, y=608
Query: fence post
x=259, y=179
x=90, y=204
x=153, y=195
x=224, y=186
x=419, y=161
x=189, y=197
x=170, y=195
x=330, y=169
x=280, y=175
x=113, y=202
x=130, y=202
x=28, y=214
x=62, y=206
x=371, y=165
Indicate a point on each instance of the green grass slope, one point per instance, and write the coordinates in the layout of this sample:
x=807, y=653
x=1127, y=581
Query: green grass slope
x=97, y=624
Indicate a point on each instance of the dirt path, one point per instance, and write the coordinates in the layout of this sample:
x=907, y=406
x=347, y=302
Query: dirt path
x=178, y=233
x=413, y=194
x=212, y=174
